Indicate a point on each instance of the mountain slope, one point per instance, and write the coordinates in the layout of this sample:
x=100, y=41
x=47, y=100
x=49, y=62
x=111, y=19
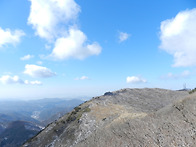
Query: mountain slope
x=128, y=117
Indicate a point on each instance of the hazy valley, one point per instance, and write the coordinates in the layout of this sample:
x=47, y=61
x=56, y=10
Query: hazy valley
x=21, y=120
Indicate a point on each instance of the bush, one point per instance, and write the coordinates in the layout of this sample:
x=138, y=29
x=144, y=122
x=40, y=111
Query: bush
x=77, y=113
x=192, y=91
x=77, y=109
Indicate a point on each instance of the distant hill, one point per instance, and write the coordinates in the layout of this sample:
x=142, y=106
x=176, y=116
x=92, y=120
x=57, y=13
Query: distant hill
x=1, y=128
x=15, y=116
x=35, y=110
x=17, y=132
x=128, y=117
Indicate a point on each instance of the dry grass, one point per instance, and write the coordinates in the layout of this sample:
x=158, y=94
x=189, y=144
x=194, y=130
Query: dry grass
x=101, y=112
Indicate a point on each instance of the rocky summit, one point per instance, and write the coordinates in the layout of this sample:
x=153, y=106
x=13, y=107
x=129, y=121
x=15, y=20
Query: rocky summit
x=125, y=118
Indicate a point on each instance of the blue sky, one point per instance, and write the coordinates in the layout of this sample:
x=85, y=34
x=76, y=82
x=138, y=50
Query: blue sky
x=83, y=48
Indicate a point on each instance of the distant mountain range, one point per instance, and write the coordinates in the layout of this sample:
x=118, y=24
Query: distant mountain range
x=20, y=120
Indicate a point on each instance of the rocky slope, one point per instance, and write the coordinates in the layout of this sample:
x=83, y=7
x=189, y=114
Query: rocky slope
x=128, y=117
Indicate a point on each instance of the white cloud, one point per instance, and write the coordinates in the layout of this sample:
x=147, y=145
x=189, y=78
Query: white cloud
x=178, y=38
x=38, y=71
x=16, y=80
x=10, y=37
x=134, y=79
x=82, y=78
x=184, y=74
x=74, y=46
x=49, y=16
x=10, y=80
x=27, y=57
x=123, y=36
x=54, y=20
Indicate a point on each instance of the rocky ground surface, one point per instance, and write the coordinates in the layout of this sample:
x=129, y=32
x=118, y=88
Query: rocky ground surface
x=125, y=118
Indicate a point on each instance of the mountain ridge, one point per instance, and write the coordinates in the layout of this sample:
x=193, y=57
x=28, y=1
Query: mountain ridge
x=121, y=118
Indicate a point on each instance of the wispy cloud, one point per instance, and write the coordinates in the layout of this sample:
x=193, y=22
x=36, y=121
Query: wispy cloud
x=10, y=37
x=178, y=38
x=32, y=82
x=135, y=79
x=39, y=62
x=7, y=79
x=27, y=57
x=47, y=46
x=123, y=36
x=38, y=71
x=170, y=75
x=82, y=78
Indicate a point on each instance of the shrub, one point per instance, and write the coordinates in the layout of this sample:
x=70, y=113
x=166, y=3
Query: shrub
x=192, y=91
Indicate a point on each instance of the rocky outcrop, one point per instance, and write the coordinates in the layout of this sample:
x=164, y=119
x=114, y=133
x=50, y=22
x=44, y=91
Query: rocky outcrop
x=128, y=117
